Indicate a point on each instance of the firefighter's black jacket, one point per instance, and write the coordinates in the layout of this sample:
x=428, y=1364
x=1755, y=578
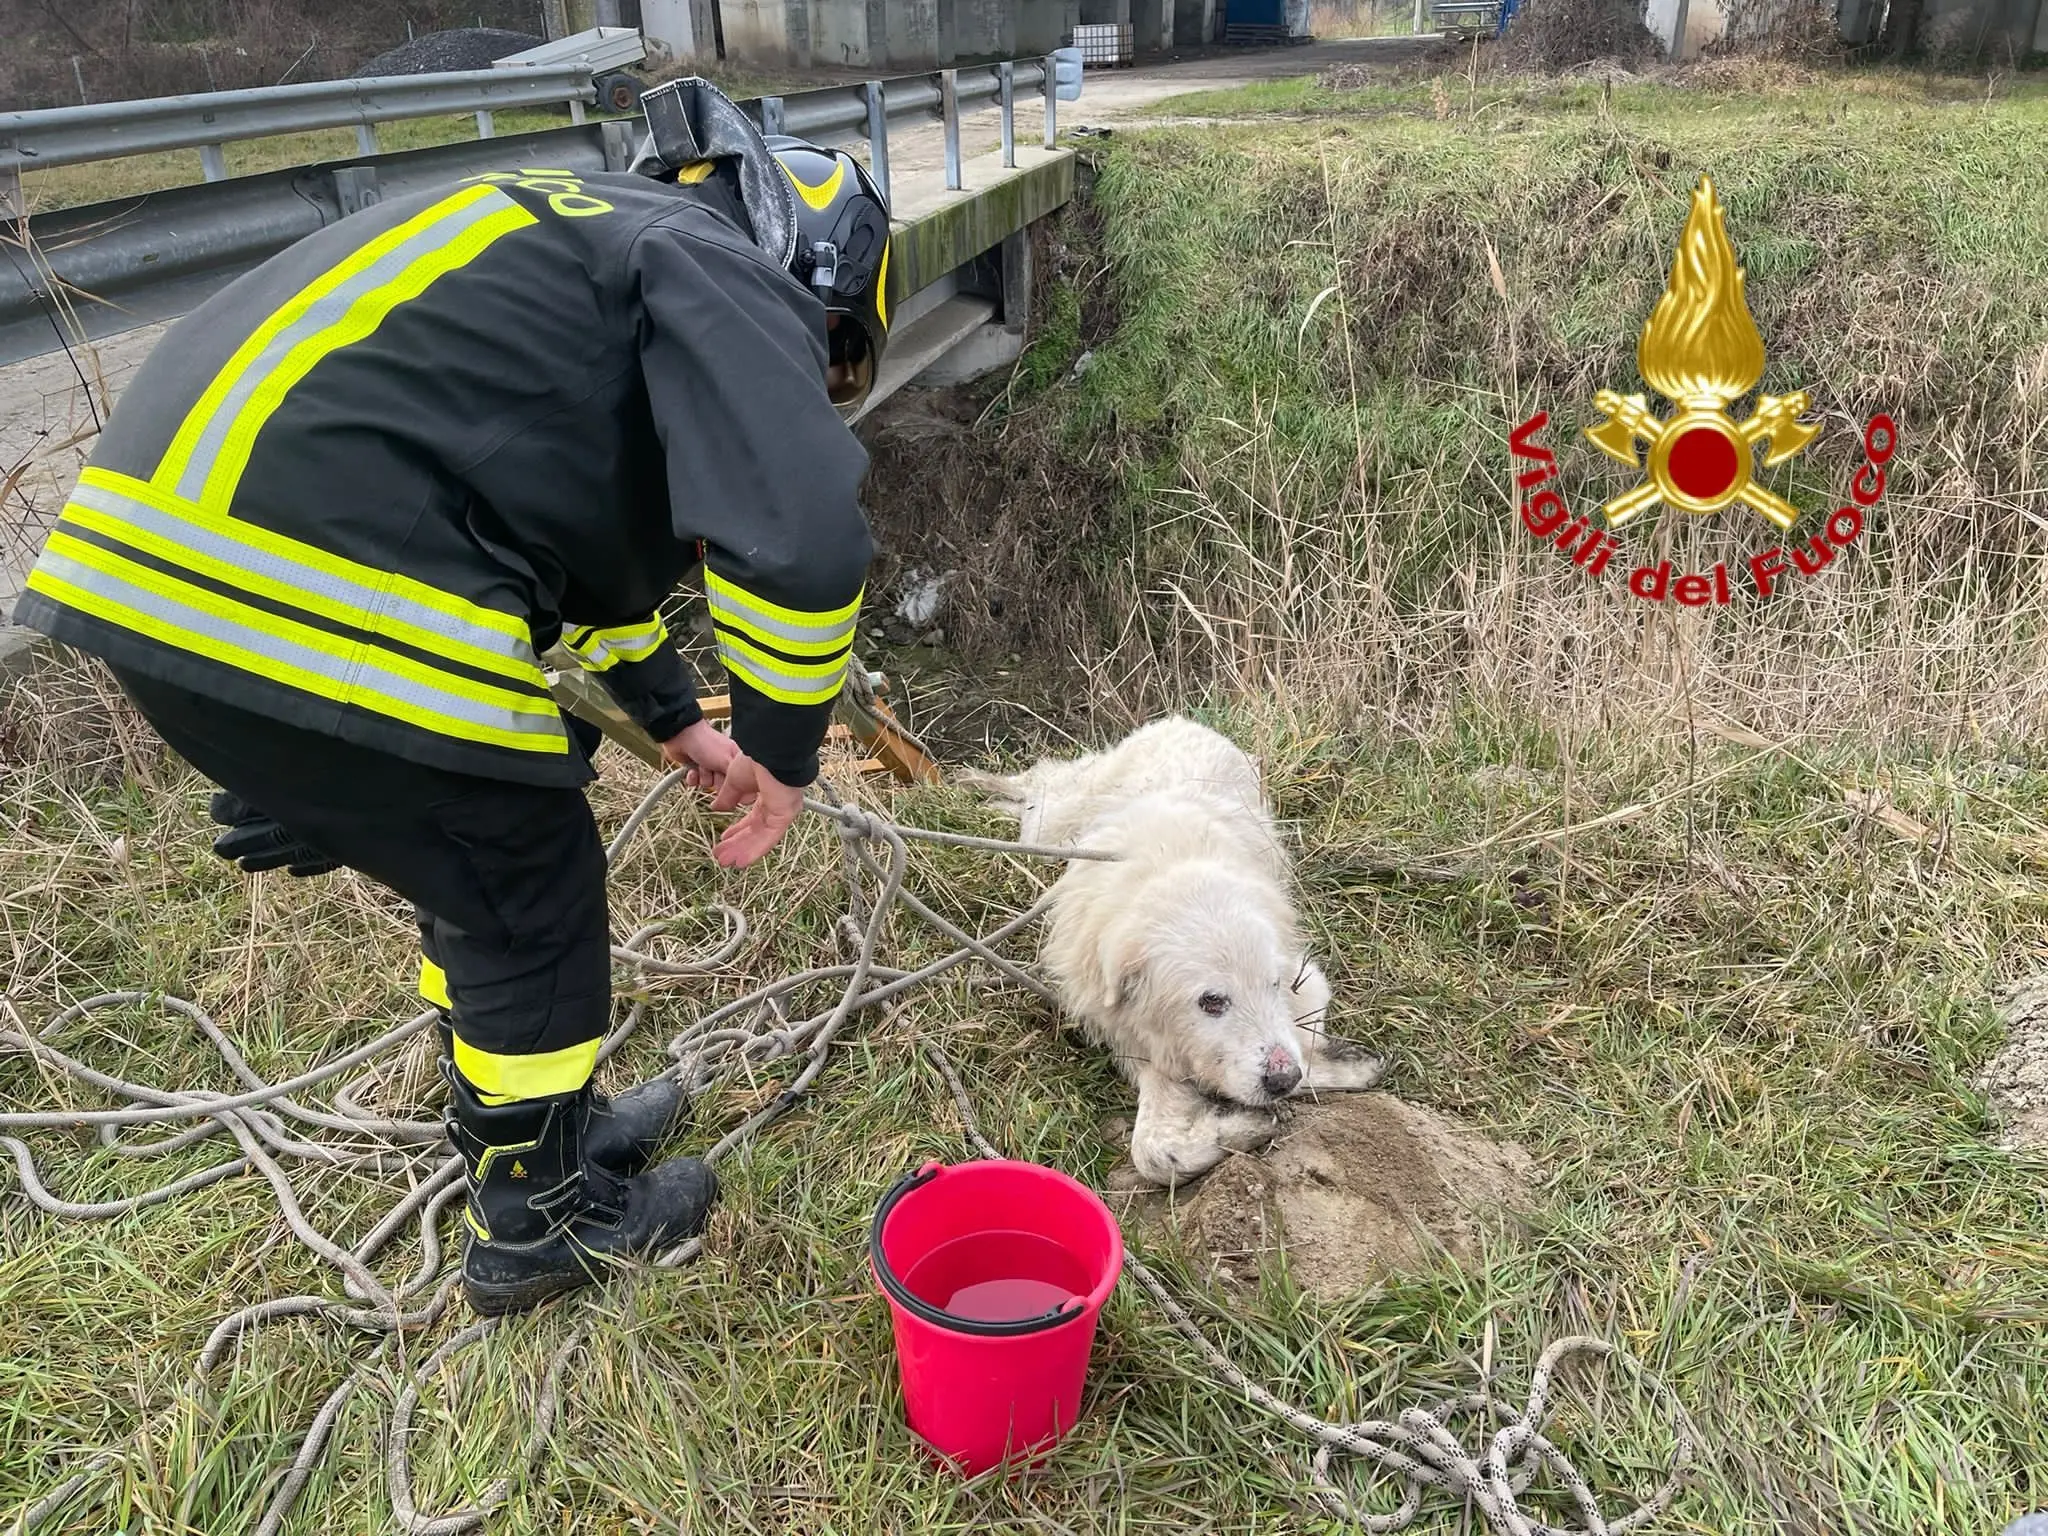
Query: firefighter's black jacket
x=365, y=485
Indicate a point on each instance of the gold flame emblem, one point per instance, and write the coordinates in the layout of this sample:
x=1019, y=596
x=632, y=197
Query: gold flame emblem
x=1701, y=351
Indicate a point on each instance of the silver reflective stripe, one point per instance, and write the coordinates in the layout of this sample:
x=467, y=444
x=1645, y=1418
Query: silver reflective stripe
x=599, y=650
x=731, y=604
x=326, y=311
x=775, y=682
x=360, y=681
x=214, y=537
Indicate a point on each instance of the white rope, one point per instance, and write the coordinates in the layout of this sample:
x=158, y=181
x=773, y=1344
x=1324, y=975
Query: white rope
x=731, y=1042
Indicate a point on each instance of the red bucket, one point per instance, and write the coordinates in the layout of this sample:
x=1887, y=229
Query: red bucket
x=995, y=1273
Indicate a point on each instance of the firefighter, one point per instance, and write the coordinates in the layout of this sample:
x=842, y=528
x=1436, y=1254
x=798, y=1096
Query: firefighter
x=346, y=505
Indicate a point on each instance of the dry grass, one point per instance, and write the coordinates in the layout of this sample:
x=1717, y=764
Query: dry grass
x=1728, y=897
x=1733, y=1018
x=1290, y=448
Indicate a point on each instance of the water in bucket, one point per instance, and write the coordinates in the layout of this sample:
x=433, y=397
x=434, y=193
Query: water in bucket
x=995, y=1273
x=998, y=1277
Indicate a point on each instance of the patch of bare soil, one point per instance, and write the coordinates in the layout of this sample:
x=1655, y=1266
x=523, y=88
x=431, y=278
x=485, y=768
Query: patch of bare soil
x=2016, y=1079
x=1356, y=1188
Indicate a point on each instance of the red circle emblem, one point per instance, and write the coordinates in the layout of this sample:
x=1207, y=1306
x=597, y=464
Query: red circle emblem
x=1703, y=463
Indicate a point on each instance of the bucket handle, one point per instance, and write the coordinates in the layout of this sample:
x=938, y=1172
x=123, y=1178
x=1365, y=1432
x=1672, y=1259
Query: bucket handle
x=918, y=1306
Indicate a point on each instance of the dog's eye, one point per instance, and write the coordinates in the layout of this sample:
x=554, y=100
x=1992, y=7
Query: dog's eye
x=1215, y=1004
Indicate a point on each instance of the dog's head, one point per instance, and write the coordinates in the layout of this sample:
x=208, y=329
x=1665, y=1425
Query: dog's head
x=1206, y=983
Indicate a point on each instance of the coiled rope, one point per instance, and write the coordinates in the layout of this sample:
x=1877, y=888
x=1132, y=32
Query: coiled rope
x=727, y=1043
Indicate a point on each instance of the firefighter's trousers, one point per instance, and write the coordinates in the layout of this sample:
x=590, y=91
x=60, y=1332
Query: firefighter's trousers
x=507, y=880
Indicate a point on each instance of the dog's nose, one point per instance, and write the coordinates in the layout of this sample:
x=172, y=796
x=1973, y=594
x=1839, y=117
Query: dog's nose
x=1281, y=1074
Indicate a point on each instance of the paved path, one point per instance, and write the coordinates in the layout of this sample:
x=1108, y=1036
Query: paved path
x=47, y=420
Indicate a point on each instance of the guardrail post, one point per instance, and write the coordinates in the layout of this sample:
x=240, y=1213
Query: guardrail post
x=621, y=140
x=878, y=137
x=1006, y=74
x=355, y=188
x=949, y=112
x=366, y=138
x=1052, y=102
x=213, y=163
x=771, y=114
x=576, y=110
x=486, y=126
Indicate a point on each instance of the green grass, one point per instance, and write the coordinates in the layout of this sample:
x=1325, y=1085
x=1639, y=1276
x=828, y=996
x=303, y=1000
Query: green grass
x=1318, y=334
x=1737, y=1026
x=1736, y=1030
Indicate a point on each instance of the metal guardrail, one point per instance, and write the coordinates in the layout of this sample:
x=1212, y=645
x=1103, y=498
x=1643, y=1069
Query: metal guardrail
x=112, y=130
x=867, y=110
x=150, y=257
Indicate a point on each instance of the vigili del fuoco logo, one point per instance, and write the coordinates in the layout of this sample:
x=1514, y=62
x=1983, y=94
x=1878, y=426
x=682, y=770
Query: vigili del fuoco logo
x=1702, y=352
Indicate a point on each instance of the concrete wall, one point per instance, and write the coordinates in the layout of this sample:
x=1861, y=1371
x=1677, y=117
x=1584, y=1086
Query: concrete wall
x=757, y=31
x=1705, y=21
x=1994, y=31
x=840, y=33
x=983, y=30
x=1957, y=30
x=1041, y=26
x=902, y=36
x=669, y=26
x=910, y=35
x=1194, y=22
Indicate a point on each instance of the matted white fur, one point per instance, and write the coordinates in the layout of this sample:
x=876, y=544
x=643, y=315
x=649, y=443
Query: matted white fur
x=1184, y=956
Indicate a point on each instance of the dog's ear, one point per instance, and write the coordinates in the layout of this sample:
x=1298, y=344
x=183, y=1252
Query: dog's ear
x=1107, y=975
x=1129, y=983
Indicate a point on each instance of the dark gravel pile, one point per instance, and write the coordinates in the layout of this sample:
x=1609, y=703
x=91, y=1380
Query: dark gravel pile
x=462, y=48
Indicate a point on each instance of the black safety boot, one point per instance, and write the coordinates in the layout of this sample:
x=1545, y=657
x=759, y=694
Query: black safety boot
x=623, y=1131
x=543, y=1218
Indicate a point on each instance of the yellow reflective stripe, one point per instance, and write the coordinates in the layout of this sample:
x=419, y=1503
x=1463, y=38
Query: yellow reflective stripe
x=882, y=289
x=208, y=624
x=599, y=650
x=506, y=1079
x=435, y=642
x=784, y=629
x=790, y=682
x=820, y=196
x=402, y=588
x=434, y=983
x=338, y=646
x=212, y=447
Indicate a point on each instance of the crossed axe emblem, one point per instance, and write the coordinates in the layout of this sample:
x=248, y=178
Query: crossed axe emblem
x=1701, y=460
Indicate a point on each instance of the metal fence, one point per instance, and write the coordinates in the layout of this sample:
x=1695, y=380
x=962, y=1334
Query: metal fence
x=108, y=266
x=112, y=130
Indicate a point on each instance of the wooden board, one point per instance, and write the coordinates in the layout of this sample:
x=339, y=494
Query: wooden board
x=583, y=696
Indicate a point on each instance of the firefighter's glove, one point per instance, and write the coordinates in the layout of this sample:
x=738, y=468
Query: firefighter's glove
x=257, y=843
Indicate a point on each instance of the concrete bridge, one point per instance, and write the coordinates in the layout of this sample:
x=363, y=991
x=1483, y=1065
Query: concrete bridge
x=959, y=276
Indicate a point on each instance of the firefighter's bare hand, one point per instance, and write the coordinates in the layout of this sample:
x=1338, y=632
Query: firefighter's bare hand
x=703, y=749
x=772, y=809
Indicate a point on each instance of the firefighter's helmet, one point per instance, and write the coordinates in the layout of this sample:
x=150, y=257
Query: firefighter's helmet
x=814, y=210
x=842, y=252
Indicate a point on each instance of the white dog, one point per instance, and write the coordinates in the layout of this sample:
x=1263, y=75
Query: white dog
x=1183, y=955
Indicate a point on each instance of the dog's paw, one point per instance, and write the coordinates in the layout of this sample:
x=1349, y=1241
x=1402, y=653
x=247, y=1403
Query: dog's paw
x=1342, y=1066
x=1125, y=1179
x=1167, y=1166
x=1246, y=1130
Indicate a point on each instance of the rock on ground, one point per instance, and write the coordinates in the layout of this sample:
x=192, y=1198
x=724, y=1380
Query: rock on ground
x=2016, y=1079
x=1356, y=1188
x=462, y=48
